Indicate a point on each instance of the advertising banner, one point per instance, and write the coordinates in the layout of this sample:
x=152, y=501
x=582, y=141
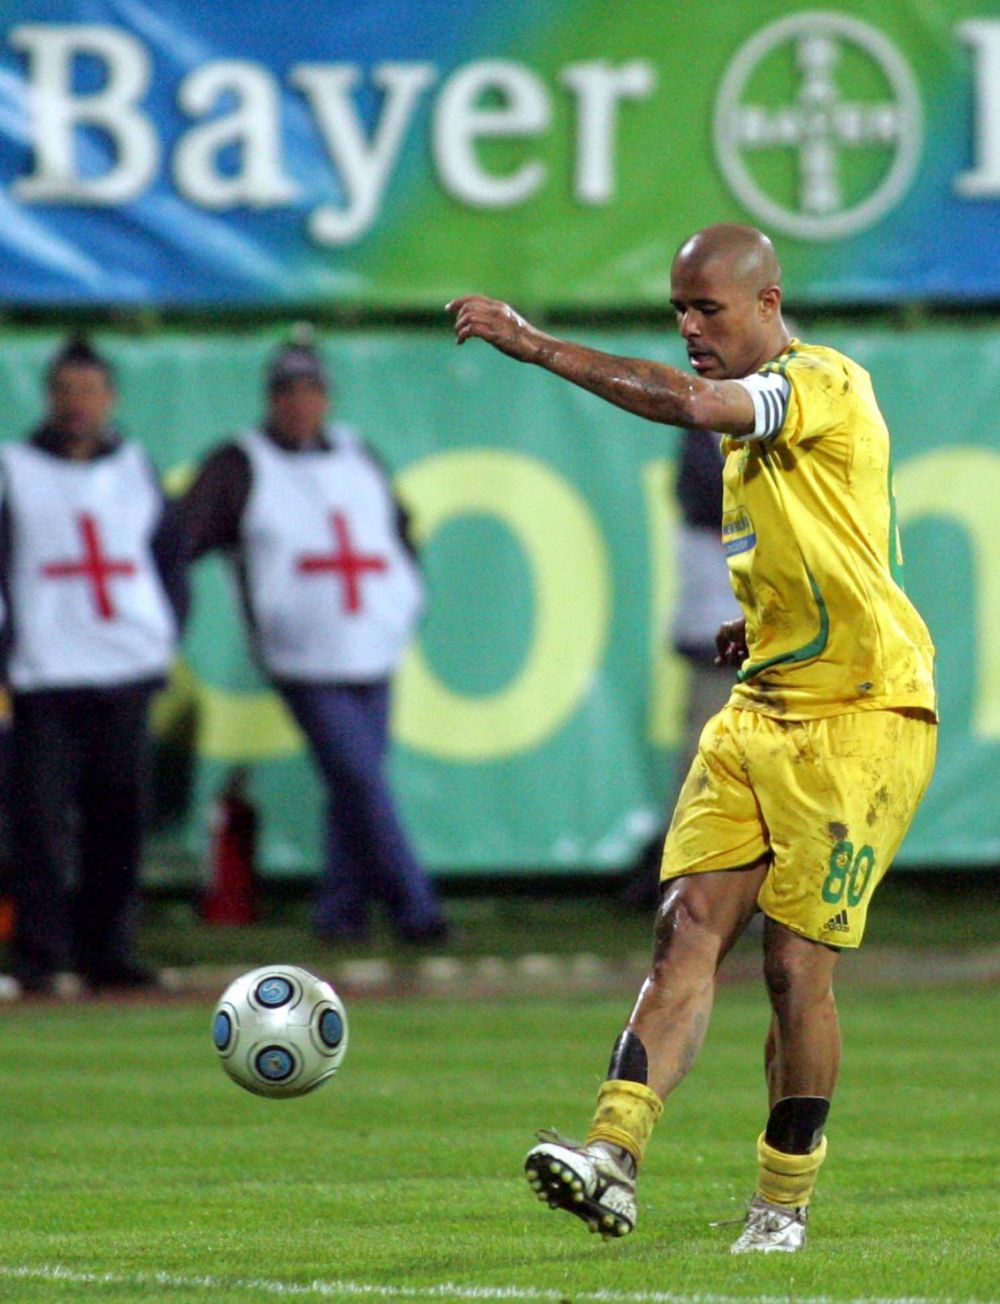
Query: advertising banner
x=388, y=155
x=538, y=714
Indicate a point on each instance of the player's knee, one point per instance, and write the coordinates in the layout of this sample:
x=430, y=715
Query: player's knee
x=798, y=972
x=686, y=904
x=779, y=974
x=683, y=921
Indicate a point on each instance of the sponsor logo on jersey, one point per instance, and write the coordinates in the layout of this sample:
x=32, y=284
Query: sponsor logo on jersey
x=738, y=534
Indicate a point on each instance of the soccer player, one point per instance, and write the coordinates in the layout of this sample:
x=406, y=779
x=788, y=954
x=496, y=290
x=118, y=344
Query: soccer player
x=806, y=782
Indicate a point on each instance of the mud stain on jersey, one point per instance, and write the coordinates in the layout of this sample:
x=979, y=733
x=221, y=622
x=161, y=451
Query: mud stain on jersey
x=879, y=803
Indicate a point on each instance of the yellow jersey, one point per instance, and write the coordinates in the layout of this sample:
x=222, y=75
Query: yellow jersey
x=809, y=530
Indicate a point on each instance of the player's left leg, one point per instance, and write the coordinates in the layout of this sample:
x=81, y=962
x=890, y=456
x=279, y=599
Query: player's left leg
x=838, y=795
x=802, y=1053
x=802, y=1057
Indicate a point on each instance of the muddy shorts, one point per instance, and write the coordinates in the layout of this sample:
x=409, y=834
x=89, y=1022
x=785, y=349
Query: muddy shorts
x=828, y=800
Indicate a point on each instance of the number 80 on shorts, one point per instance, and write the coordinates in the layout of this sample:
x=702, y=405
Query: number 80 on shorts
x=848, y=871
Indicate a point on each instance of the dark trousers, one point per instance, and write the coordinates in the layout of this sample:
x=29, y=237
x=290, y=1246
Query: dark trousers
x=368, y=855
x=79, y=783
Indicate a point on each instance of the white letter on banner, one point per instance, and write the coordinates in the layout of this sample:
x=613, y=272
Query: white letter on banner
x=983, y=182
x=598, y=87
x=55, y=111
x=253, y=127
x=364, y=164
x=459, y=120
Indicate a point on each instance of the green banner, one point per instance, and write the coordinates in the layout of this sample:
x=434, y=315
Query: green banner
x=538, y=713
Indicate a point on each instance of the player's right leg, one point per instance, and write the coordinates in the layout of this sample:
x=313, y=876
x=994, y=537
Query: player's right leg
x=715, y=859
x=700, y=918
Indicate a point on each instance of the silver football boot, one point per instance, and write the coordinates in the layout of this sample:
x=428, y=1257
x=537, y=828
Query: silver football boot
x=595, y=1182
x=772, y=1227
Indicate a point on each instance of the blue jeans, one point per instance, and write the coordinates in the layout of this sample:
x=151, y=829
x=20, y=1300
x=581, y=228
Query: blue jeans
x=368, y=855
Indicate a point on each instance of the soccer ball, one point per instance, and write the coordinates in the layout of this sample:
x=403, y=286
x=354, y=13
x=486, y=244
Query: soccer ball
x=280, y=1031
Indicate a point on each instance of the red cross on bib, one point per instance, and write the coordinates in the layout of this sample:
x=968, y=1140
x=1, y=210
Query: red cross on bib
x=347, y=564
x=94, y=567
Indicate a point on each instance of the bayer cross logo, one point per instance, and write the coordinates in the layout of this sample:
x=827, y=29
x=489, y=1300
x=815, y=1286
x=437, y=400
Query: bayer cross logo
x=818, y=125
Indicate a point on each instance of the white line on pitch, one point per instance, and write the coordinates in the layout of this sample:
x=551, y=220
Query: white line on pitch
x=446, y=1290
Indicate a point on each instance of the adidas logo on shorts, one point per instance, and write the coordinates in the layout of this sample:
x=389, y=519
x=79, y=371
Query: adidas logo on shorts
x=837, y=923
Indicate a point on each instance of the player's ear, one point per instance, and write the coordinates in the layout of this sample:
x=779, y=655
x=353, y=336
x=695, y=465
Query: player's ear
x=769, y=301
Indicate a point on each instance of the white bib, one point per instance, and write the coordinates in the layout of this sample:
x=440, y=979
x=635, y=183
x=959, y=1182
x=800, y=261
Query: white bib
x=333, y=592
x=87, y=604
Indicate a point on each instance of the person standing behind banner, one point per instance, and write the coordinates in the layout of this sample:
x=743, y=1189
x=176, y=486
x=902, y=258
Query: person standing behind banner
x=705, y=601
x=94, y=594
x=331, y=592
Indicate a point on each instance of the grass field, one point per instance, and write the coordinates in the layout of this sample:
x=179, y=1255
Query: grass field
x=135, y=1171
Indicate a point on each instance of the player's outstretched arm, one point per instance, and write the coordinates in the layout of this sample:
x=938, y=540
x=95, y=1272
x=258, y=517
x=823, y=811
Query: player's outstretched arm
x=653, y=390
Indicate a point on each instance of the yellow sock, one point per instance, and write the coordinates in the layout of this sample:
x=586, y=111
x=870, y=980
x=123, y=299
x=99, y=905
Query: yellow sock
x=626, y=1114
x=787, y=1179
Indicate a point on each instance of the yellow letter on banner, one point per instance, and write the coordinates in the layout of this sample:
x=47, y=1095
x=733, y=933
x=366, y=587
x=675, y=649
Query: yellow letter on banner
x=963, y=485
x=569, y=565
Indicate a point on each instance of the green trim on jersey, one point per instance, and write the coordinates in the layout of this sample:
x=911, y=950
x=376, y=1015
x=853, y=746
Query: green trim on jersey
x=896, y=567
x=805, y=653
x=779, y=365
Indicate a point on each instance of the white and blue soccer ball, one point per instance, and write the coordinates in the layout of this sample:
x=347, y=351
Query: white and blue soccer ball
x=280, y=1031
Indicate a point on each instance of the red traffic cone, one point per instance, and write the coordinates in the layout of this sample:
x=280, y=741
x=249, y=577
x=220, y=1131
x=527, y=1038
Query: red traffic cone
x=6, y=919
x=230, y=897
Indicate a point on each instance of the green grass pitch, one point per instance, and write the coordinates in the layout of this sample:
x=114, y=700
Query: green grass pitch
x=133, y=1170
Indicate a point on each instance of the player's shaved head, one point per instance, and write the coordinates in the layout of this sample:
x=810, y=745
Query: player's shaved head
x=725, y=286
x=738, y=253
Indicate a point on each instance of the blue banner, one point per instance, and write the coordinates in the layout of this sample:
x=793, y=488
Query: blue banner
x=395, y=154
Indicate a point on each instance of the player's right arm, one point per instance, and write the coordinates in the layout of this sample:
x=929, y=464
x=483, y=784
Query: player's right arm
x=654, y=390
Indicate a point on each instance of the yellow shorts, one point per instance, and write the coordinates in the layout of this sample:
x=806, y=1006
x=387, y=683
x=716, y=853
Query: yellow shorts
x=829, y=801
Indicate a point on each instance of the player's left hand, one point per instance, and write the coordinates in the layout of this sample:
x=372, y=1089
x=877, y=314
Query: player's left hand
x=731, y=643
x=477, y=316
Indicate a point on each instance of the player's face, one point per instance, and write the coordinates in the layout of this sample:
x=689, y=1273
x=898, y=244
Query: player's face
x=80, y=401
x=298, y=409
x=721, y=320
